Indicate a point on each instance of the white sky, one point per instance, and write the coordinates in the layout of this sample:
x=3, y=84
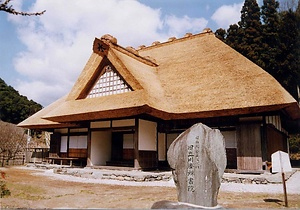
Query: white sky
x=42, y=56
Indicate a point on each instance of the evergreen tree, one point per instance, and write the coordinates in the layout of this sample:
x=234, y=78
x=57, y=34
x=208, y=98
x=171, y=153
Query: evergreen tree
x=221, y=34
x=273, y=44
x=250, y=32
x=234, y=37
x=270, y=34
x=289, y=59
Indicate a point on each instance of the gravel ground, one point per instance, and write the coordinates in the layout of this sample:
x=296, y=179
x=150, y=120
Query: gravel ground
x=293, y=183
x=292, y=186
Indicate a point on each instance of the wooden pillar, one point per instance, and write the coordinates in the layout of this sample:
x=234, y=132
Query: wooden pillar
x=89, y=145
x=68, y=142
x=136, y=145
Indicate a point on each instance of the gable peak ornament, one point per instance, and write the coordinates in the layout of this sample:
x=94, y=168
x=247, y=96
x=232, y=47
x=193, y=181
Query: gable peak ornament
x=100, y=47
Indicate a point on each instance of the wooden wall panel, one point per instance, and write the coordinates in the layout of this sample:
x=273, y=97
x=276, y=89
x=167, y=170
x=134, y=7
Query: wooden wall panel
x=128, y=154
x=249, y=156
x=148, y=159
x=78, y=153
x=276, y=140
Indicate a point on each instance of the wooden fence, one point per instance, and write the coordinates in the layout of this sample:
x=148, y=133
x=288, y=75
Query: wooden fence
x=30, y=155
x=18, y=159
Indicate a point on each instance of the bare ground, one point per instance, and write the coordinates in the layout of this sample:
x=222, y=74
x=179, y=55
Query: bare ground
x=31, y=190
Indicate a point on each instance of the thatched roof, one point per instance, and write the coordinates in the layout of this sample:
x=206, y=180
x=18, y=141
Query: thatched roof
x=36, y=121
x=197, y=76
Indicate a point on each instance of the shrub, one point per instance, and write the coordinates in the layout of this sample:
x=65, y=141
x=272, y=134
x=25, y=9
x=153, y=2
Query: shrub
x=3, y=189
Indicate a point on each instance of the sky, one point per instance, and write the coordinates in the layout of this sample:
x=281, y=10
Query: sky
x=42, y=56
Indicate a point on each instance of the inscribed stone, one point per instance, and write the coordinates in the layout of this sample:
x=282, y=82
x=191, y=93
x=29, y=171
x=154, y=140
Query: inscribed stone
x=198, y=160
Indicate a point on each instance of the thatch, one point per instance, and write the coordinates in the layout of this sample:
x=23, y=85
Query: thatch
x=36, y=121
x=197, y=76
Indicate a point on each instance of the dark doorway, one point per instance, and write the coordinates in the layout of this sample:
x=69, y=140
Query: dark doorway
x=120, y=156
x=117, y=146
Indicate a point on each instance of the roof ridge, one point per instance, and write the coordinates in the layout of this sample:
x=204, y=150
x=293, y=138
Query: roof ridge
x=130, y=51
x=174, y=39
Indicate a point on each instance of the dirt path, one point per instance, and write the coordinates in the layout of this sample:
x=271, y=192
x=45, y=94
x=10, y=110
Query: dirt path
x=32, y=190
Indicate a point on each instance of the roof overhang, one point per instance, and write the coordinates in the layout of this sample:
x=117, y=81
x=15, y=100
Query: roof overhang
x=146, y=109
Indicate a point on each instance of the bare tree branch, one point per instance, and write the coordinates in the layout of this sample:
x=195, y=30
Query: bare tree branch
x=9, y=9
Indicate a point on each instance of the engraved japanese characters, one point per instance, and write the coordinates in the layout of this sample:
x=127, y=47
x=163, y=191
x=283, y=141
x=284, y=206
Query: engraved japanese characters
x=198, y=160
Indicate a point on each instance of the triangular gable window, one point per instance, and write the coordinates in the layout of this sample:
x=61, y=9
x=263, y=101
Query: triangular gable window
x=109, y=83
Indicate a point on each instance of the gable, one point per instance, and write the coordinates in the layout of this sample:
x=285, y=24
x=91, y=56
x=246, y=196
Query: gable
x=109, y=83
x=86, y=85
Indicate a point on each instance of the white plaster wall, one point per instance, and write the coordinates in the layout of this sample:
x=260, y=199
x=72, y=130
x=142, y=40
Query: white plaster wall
x=161, y=146
x=73, y=130
x=147, y=135
x=62, y=130
x=100, y=147
x=123, y=123
x=100, y=124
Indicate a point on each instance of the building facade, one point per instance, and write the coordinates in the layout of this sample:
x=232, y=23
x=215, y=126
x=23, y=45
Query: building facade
x=128, y=105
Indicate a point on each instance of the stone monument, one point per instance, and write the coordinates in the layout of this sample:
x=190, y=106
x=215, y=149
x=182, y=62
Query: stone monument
x=198, y=160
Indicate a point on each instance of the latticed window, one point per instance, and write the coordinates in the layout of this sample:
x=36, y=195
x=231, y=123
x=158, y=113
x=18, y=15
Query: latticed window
x=109, y=83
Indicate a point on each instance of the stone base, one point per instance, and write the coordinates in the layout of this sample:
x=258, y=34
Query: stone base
x=179, y=205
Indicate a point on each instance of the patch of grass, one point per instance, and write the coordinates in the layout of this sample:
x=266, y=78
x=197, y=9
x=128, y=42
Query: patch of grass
x=58, y=196
x=26, y=196
x=27, y=192
x=87, y=192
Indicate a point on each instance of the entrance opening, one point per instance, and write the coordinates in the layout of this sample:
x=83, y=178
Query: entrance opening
x=122, y=151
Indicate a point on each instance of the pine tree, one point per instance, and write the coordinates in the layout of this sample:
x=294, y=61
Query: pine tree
x=234, y=37
x=289, y=59
x=270, y=34
x=221, y=34
x=273, y=44
x=250, y=32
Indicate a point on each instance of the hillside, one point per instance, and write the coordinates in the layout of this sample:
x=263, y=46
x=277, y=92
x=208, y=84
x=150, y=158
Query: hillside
x=14, y=107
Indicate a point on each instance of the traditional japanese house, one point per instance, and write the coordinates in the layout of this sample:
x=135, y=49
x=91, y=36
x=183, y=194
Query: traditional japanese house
x=128, y=105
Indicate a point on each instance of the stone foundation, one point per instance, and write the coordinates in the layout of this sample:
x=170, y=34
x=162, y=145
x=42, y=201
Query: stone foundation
x=136, y=176
x=140, y=176
x=244, y=180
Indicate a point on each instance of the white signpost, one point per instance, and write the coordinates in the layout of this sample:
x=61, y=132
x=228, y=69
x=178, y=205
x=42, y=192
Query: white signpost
x=281, y=164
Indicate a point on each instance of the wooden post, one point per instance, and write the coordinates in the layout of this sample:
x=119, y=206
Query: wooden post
x=2, y=160
x=23, y=161
x=136, y=145
x=284, y=190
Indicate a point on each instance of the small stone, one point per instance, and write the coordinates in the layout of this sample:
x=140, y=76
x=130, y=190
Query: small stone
x=120, y=178
x=155, y=43
x=171, y=39
x=127, y=178
x=188, y=34
x=132, y=50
